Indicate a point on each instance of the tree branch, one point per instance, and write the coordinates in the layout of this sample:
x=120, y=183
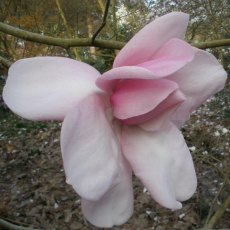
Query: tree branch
x=65, y=43
x=212, y=44
x=103, y=22
x=79, y=42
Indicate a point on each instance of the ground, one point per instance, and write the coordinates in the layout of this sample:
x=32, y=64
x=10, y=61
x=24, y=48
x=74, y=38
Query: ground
x=34, y=192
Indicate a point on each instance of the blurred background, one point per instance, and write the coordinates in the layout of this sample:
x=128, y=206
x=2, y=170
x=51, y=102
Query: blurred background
x=209, y=20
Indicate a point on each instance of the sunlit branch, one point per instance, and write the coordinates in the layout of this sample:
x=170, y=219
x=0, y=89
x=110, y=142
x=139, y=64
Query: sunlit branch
x=80, y=42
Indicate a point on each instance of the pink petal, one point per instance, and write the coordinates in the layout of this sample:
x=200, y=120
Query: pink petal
x=171, y=57
x=111, y=77
x=147, y=41
x=133, y=98
x=162, y=162
x=198, y=81
x=161, y=115
x=160, y=121
x=45, y=88
x=90, y=149
x=116, y=206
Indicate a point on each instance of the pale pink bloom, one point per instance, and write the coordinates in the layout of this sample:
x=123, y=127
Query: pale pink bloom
x=125, y=120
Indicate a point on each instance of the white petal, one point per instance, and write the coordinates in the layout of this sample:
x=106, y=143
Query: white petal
x=163, y=163
x=46, y=88
x=171, y=57
x=164, y=113
x=198, y=80
x=90, y=149
x=149, y=39
x=116, y=206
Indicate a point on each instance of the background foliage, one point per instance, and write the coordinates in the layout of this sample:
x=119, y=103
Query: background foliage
x=209, y=20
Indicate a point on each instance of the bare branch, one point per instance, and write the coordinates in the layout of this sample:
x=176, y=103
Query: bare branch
x=212, y=44
x=80, y=42
x=103, y=22
x=65, y=43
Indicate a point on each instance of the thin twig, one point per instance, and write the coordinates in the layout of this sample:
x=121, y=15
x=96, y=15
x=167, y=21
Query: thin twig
x=103, y=22
x=70, y=53
x=218, y=170
x=213, y=202
x=219, y=213
x=7, y=225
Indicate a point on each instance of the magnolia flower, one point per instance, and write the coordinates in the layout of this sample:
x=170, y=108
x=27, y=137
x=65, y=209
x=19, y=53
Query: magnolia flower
x=125, y=120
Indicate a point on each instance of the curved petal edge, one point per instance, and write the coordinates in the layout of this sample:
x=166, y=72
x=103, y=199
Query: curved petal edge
x=90, y=149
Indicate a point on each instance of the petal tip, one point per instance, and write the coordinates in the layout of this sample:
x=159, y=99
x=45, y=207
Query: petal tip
x=177, y=206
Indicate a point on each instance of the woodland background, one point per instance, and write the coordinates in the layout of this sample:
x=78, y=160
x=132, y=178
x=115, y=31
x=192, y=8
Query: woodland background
x=32, y=183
